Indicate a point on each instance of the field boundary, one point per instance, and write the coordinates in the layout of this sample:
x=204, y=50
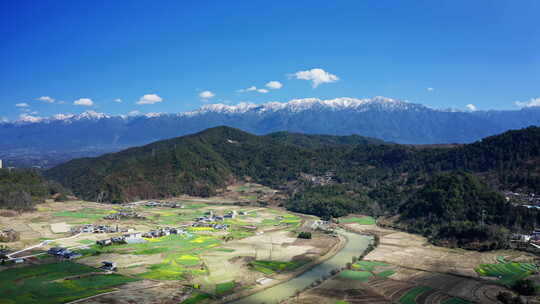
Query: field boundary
x=337, y=247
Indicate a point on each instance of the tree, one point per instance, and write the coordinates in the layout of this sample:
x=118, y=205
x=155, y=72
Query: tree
x=525, y=287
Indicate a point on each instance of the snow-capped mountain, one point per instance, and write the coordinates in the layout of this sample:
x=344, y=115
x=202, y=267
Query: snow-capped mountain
x=380, y=117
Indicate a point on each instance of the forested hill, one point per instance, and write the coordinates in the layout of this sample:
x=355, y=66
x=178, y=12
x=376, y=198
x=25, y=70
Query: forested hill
x=201, y=163
x=22, y=189
x=369, y=176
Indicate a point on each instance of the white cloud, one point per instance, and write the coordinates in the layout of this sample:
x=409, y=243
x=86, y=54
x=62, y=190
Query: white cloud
x=118, y=100
x=316, y=76
x=250, y=89
x=471, y=107
x=206, y=94
x=87, y=102
x=22, y=105
x=534, y=102
x=430, y=89
x=61, y=102
x=46, y=99
x=275, y=85
x=134, y=113
x=149, y=99
x=253, y=89
x=4, y=119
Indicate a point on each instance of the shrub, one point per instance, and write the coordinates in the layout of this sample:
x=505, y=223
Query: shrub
x=525, y=287
x=304, y=235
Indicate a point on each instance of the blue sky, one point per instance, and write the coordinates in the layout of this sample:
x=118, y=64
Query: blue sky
x=485, y=53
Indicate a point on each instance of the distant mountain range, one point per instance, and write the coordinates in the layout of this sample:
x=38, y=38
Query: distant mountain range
x=379, y=117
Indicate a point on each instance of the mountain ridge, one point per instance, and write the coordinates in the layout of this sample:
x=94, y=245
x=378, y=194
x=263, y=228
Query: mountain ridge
x=383, y=118
x=361, y=175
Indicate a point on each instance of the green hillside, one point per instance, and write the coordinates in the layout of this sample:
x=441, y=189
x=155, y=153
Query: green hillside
x=23, y=189
x=381, y=179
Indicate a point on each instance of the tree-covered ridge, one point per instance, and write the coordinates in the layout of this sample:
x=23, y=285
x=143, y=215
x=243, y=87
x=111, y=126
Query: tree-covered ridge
x=458, y=208
x=429, y=186
x=23, y=189
x=201, y=163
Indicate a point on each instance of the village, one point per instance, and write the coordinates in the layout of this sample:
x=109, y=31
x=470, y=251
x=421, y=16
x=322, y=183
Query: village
x=527, y=200
x=208, y=243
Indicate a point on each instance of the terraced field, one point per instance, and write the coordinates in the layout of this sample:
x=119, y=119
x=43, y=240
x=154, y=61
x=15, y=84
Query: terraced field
x=218, y=261
x=271, y=267
x=410, y=297
x=364, y=220
x=507, y=272
x=55, y=283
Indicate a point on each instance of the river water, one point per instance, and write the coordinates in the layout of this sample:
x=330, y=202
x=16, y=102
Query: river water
x=355, y=246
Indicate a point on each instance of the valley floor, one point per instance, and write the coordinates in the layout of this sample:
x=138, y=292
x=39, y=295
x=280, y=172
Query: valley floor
x=200, y=263
x=405, y=268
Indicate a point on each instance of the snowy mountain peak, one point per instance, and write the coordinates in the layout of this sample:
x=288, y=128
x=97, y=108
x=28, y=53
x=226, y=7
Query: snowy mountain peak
x=63, y=116
x=26, y=118
x=91, y=115
x=292, y=106
x=299, y=105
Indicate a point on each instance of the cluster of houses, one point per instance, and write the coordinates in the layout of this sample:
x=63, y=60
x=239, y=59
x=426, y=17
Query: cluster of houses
x=164, y=204
x=164, y=232
x=528, y=200
x=533, y=238
x=124, y=214
x=91, y=228
x=63, y=253
x=138, y=237
x=211, y=220
x=216, y=226
x=325, y=179
x=130, y=238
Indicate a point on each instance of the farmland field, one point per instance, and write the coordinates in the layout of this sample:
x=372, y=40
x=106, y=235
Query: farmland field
x=257, y=242
x=411, y=295
x=45, y=284
x=270, y=267
x=362, y=276
x=365, y=220
x=461, y=276
x=507, y=272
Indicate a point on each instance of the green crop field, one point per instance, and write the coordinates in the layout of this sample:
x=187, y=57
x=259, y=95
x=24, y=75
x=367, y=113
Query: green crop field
x=367, y=265
x=507, y=272
x=180, y=257
x=362, y=276
x=195, y=205
x=412, y=294
x=225, y=249
x=366, y=220
x=180, y=254
x=270, y=267
x=43, y=284
x=385, y=274
x=223, y=288
x=174, y=267
x=86, y=213
x=195, y=298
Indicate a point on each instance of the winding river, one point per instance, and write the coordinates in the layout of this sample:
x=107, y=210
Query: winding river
x=355, y=246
